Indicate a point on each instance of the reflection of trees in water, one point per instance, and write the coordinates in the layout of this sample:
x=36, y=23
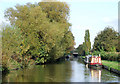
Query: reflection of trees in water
x=49, y=73
x=109, y=76
x=80, y=61
x=59, y=72
x=87, y=73
x=26, y=75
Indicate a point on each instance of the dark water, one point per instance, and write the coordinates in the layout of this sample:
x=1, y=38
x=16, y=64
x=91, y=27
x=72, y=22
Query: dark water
x=67, y=71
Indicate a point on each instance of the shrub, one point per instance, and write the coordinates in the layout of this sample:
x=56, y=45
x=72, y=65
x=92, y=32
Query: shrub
x=111, y=56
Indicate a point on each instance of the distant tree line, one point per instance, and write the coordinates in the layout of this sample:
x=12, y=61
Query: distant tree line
x=39, y=33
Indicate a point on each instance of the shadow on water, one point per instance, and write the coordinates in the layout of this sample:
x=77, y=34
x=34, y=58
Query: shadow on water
x=70, y=70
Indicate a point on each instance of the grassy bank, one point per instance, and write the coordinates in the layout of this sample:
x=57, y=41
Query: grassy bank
x=82, y=57
x=112, y=64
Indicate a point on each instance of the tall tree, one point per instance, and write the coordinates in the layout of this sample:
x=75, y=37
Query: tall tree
x=58, y=13
x=87, y=42
x=85, y=48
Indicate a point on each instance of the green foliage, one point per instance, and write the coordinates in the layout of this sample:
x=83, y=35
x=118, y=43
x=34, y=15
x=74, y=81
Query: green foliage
x=39, y=32
x=84, y=49
x=11, y=40
x=113, y=49
x=108, y=39
x=87, y=42
x=81, y=50
x=111, y=56
x=111, y=64
x=42, y=56
x=56, y=12
x=1, y=69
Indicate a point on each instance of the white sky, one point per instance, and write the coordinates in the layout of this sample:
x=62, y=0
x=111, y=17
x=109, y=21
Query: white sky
x=94, y=15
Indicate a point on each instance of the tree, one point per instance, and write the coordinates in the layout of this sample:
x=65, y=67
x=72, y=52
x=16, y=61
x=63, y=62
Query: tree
x=81, y=50
x=108, y=39
x=87, y=43
x=45, y=29
x=85, y=48
x=11, y=41
x=56, y=11
x=30, y=20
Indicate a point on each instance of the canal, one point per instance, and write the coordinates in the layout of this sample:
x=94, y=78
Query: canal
x=68, y=71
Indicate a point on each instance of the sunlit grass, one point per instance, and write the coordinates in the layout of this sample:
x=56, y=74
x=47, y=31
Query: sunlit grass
x=83, y=57
x=112, y=64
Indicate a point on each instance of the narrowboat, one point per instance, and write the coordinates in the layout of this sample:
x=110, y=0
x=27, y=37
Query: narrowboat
x=93, y=61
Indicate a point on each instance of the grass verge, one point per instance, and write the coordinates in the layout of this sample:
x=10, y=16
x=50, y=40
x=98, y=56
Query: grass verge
x=112, y=64
x=83, y=57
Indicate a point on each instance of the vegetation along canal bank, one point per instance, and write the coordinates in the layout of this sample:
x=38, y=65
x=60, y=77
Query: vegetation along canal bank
x=106, y=44
x=39, y=38
x=37, y=35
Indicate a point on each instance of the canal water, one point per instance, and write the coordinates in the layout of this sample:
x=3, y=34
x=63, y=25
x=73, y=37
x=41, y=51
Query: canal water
x=68, y=71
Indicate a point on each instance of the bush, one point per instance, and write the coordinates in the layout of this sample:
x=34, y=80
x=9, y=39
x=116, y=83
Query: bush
x=111, y=56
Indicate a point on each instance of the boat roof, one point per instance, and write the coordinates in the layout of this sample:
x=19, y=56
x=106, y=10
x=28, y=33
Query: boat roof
x=89, y=55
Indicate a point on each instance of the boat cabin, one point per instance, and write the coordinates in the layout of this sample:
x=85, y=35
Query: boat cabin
x=93, y=60
x=88, y=58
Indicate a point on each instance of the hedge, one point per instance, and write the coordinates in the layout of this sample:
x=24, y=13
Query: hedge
x=111, y=56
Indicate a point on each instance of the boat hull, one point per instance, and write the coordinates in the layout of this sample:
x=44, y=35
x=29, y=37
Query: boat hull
x=96, y=66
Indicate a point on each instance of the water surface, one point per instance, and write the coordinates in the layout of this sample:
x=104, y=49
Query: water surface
x=67, y=71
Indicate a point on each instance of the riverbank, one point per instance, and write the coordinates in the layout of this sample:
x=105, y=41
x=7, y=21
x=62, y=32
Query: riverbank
x=112, y=64
x=5, y=70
